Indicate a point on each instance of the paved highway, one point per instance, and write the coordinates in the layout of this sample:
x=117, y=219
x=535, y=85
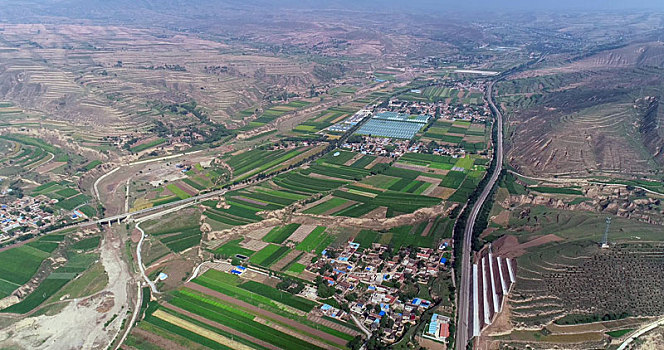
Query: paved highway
x=643, y=330
x=463, y=313
x=162, y=206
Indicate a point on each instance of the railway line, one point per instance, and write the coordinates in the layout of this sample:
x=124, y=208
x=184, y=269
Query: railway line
x=463, y=307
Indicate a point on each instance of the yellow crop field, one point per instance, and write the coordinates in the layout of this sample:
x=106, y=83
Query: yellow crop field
x=199, y=330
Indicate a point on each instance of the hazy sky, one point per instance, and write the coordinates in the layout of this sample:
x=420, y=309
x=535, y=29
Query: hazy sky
x=521, y=4
x=567, y=4
x=451, y=4
x=458, y=6
x=404, y=5
x=96, y=8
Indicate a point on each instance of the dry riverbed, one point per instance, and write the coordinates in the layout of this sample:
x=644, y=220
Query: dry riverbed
x=87, y=323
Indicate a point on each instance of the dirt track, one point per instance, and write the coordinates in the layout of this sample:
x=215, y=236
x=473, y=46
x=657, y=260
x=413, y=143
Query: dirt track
x=267, y=314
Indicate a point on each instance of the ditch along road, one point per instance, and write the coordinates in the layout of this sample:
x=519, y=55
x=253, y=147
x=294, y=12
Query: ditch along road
x=462, y=334
x=568, y=180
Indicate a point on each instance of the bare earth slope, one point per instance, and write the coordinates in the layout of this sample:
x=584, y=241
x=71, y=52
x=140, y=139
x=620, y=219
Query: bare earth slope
x=597, y=114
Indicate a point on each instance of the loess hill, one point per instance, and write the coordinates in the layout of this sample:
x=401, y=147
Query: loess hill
x=598, y=114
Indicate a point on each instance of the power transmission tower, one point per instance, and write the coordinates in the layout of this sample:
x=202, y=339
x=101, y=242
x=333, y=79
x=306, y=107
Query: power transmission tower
x=605, y=240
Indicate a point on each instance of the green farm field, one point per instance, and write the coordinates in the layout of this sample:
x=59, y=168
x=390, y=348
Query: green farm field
x=231, y=248
x=280, y=233
x=18, y=265
x=316, y=241
x=255, y=161
x=148, y=145
x=326, y=206
x=53, y=283
x=281, y=308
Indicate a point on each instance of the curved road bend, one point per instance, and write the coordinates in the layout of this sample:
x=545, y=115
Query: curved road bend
x=462, y=334
x=96, y=184
x=645, y=329
x=140, y=260
x=139, y=246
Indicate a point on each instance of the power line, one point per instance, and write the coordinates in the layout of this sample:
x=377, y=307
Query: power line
x=605, y=239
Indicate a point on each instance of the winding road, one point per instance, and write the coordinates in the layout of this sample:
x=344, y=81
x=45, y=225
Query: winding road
x=462, y=334
x=153, y=287
x=643, y=330
x=95, y=186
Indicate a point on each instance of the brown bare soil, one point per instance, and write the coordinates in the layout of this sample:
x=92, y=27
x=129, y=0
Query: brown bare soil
x=431, y=180
x=429, y=344
x=259, y=234
x=301, y=233
x=177, y=269
x=254, y=244
x=502, y=219
x=378, y=161
x=152, y=338
x=49, y=166
x=442, y=192
x=339, y=208
x=359, y=184
x=321, y=176
x=411, y=167
x=135, y=236
x=541, y=240
x=354, y=159
x=285, y=260
x=378, y=213
x=509, y=245
x=487, y=232
x=106, y=305
x=427, y=229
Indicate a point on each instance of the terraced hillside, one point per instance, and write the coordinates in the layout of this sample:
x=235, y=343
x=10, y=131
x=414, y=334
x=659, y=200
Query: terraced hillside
x=579, y=280
x=649, y=127
x=587, y=116
x=85, y=74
